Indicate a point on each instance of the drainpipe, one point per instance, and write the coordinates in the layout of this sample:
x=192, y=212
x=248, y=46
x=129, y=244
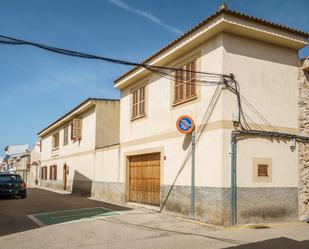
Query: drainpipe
x=234, y=178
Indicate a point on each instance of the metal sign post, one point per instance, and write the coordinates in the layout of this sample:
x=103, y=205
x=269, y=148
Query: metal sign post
x=193, y=176
x=185, y=125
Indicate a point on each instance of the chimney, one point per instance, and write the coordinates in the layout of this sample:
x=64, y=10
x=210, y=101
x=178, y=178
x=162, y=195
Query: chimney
x=223, y=6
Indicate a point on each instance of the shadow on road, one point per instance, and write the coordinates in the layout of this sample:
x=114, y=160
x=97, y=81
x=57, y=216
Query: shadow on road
x=144, y=227
x=277, y=243
x=14, y=211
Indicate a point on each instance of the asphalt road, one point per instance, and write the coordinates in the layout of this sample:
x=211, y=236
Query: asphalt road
x=130, y=229
x=14, y=211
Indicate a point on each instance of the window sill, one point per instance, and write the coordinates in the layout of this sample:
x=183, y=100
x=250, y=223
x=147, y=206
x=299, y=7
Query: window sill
x=184, y=101
x=138, y=117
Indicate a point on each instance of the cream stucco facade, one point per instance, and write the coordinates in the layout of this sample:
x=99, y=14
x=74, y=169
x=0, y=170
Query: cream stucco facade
x=263, y=57
x=79, y=161
x=264, y=60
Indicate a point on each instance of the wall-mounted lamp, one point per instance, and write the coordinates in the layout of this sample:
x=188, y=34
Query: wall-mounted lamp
x=236, y=119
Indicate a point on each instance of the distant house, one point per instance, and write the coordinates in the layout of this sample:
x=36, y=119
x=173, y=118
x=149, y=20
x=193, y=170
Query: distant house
x=17, y=158
x=2, y=165
x=33, y=177
x=78, y=149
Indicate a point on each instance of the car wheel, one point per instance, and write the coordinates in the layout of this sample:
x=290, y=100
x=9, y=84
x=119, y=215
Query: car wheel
x=23, y=196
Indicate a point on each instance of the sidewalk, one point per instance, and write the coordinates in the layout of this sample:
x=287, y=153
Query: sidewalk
x=149, y=229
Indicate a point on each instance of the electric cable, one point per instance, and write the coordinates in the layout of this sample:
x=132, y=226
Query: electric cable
x=14, y=41
x=199, y=133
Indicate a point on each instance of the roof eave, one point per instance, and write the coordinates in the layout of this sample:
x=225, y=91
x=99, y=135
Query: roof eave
x=81, y=108
x=219, y=22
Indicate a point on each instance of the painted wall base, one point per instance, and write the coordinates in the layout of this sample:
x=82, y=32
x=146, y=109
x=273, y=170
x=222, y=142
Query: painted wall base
x=57, y=185
x=255, y=205
x=109, y=191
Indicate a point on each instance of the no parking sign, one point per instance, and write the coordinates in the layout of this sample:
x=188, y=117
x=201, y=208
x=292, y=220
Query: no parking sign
x=185, y=124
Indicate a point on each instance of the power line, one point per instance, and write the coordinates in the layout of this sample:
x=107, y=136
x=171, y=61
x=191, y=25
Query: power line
x=201, y=80
x=14, y=41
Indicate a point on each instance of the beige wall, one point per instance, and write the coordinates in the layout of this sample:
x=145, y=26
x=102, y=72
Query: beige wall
x=267, y=75
x=107, y=164
x=107, y=123
x=100, y=128
x=86, y=143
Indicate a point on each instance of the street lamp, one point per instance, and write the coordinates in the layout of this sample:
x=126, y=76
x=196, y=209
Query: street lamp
x=6, y=159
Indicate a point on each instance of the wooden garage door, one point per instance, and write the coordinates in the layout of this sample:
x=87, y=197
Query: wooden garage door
x=144, y=179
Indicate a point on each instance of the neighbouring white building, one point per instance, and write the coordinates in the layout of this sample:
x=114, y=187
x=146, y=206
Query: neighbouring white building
x=80, y=149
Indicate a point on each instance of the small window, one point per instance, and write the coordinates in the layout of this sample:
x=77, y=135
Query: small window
x=53, y=172
x=66, y=135
x=262, y=170
x=76, y=129
x=138, y=103
x=185, y=82
x=55, y=142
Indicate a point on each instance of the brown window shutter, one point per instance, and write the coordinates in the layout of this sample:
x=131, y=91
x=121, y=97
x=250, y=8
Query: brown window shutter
x=185, y=82
x=181, y=84
x=262, y=170
x=65, y=135
x=72, y=131
x=55, y=173
x=141, y=100
x=193, y=78
x=134, y=104
x=77, y=128
x=176, y=94
x=138, y=102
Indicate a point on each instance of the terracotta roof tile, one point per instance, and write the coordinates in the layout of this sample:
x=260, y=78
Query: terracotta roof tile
x=208, y=19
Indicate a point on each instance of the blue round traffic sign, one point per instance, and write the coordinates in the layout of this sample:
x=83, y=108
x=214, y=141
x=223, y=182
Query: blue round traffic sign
x=185, y=124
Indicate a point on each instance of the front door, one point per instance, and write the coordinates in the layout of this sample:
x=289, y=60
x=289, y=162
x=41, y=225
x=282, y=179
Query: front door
x=65, y=177
x=144, y=179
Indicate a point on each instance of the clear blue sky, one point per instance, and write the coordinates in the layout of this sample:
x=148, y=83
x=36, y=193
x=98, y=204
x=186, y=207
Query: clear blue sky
x=37, y=87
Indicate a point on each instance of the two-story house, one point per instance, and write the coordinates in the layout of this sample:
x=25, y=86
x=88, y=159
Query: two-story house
x=75, y=148
x=155, y=158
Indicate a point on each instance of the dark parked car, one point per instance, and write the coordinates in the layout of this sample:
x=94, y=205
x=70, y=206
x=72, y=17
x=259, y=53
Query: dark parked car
x=12, y=184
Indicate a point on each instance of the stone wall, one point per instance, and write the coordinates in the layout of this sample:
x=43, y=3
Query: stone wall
x=56, y=184
x=303, y=149
x=109, y=191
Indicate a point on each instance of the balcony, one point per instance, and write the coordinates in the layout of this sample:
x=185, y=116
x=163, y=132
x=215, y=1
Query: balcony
x=55, y=151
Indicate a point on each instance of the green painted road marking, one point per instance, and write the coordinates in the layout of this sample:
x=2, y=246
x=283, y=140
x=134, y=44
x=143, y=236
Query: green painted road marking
x=71, y=215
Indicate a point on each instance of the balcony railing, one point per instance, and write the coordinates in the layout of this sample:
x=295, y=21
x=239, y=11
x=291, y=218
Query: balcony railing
x=55, y=151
